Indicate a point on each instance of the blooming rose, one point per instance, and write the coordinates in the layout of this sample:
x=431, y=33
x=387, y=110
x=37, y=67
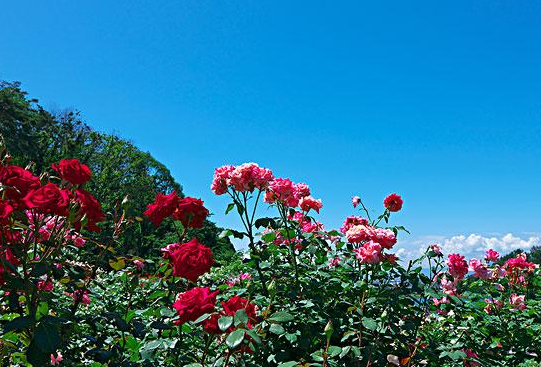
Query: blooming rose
x=491, y=304
x=385, y=237
x=492, y=255
x=480, y=270
x=351, y=221
x=194, y=303
x=435, y=248
x=73, y=171
x=191, y=260
x=191, y=212
x=449, y=287
x=308, y=202
x=369, y=253
x=162, y=207
x=458, y=267
x=90, y=208
x=469, y=355
x=17, y=181
x=5, y=212
x=281, y=189
x=301, y=190
x=355, y=200
x=81, y=296
x=235, y=303
x=359, y=233
x=48, y=199
x=393, y=202
x=249, y=176
x=55, y=361
x=517, y=302
x=220, y=181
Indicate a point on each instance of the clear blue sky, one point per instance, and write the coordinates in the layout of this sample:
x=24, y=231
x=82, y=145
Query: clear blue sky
x=438, y=101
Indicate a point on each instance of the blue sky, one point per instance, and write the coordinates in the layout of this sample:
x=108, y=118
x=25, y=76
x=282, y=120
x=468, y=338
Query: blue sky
x=440, y=102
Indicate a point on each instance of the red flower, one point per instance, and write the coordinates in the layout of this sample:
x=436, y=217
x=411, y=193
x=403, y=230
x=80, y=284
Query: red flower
x=5, y=212
x=73, y=171
x=162, y=207
x=458, y=267
x=191, y=260
x=91, y=208
x=17, y=181
x=194, y=303
x=48, y=199
x=211, y=324
x=235, y=303
x=393, y=202
x=191, y=212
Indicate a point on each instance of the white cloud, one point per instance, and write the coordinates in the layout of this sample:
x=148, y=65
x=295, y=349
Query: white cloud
x=472, y=245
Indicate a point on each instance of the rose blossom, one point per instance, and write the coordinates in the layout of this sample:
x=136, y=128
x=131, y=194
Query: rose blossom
x=220, y=180
x=55, y=361
x=334, y=261
x=480, y=270
x=492, y=255
x=385, y=237
x=458, y=267
x=491, y=304
x=162, y=207
x=191, y=212
x=301, y=190
x=308, y=202
x=73, y=171
x=393, y=202
x=90, y=208
x=435, y=248
x=281, y=189
x=17, y=182
x=48, y=199
x=369, y=253
x=5, y=212
x=359, y=233
x=194, y=303
x=517, y=302
x=351, y=221
x=191, y=260
x=355, y=200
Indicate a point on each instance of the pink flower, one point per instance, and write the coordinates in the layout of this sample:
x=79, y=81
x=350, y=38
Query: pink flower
x=458, y=267
x=491, y=305
x=438, y=302
x=55, y=361
x=301, y=190
x=393, y=203
x=139, y=264
x=351, y=221
x=355, y=200
x=492, y=255
x=470, y=355
x=517, y=302
x=308, y=202
x=45, y=285
x=480, y=270
x=249, y=176
x=385, y=237
x=369, y=253
x=283, y=190
x=499, y=287
x=81, y=296
x=359, y=233
x=449, y=287
x=334, y=261
x=435, y=248
x=220, y=181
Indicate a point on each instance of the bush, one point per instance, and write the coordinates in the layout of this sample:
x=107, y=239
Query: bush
x=302, y=296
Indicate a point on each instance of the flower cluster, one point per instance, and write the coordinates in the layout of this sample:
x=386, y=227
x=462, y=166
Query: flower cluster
x=246, y=177
x=189, y=211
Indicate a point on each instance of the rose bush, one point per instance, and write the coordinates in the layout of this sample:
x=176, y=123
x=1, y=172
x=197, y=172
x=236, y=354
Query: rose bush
x=302, y=296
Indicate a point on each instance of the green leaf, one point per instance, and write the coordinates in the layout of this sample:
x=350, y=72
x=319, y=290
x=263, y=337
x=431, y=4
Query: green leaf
x=225, y=322
x=288, y=364
x=47, y=335
x=281, y=317
x=229, y=208
x=369, y=323
x=277, y=329
x=19, y=323
x=241, y=318
x=235, y=338
x=36, y=356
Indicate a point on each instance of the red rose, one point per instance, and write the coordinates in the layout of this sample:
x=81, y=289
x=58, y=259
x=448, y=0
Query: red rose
x=235, y=303
x=91, y=208
x=211, y=324
x=191, y=260
x=191, y=212
x=48, y=199
x=393, y=202
x=73, y=171
x=5, y=212
x=194, y=303
x=162, y=207
x=17, y=181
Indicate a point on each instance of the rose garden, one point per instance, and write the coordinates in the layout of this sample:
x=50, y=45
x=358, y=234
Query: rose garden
x=301, y=296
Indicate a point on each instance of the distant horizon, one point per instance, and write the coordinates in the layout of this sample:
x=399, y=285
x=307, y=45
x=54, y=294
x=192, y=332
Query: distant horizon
x=439, y=103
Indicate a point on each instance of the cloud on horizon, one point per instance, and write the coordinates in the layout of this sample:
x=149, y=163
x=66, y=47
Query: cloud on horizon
x=472, y=245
